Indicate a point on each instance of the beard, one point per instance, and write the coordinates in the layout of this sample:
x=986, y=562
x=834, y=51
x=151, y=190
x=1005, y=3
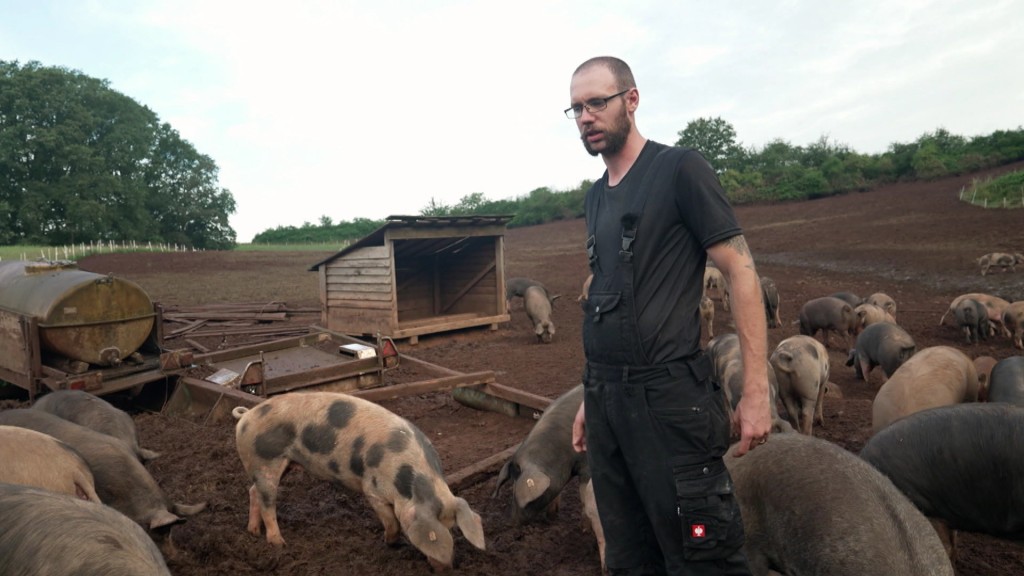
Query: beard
x=614, y=136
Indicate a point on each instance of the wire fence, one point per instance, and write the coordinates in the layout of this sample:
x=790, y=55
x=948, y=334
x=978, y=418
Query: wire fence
x=1005, y=202
x=76, y=251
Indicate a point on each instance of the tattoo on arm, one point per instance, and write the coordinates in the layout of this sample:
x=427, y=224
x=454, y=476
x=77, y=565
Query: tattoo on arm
x=739, y=244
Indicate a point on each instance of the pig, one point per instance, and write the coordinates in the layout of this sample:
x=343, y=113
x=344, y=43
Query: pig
x=1006, y=383
x=881, y=344
x=770, y=295
x=1013, y=322
x=95, y=413
x=538, y=309
x=364, y=447
x=1000, y=260
x=122, y=482
x=883, y=301
x=972, y=318
x=545, y=462
x=707, y=316
x=960, y=465
x=850, y=298
x=934, y=376
x=516, y=287
x=716, y=286
x=827, y=313
x=812, y=507
x=868, y=314
x=727, y=369
x=994, y=305
x=35, y=459
x=801, y=367
x=983, y=365
x=46, y=533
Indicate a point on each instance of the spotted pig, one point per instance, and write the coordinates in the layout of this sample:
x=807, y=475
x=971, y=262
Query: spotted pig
x=367, y=449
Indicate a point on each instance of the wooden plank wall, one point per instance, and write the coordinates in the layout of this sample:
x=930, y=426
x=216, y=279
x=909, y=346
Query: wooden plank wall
x=360, y=291
x=463, y=268
x=415, y=280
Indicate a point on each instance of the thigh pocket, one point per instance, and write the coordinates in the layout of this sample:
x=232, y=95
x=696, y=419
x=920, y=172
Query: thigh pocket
x=710, y=516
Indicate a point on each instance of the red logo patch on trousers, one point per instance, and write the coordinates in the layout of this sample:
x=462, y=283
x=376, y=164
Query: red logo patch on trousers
x=697, y=531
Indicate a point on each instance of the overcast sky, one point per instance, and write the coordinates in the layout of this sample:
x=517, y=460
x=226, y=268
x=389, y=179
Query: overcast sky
x=371, y=108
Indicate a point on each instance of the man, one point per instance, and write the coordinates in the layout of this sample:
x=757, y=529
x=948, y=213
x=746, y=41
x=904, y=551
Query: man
x=653, y=422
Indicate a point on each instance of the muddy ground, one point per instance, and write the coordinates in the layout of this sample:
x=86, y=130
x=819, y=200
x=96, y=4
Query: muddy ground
x=915, y=242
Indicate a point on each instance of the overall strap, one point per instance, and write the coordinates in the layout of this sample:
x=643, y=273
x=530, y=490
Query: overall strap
x=631, y=219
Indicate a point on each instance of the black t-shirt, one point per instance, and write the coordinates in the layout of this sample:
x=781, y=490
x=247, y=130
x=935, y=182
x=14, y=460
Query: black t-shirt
x=685, y=213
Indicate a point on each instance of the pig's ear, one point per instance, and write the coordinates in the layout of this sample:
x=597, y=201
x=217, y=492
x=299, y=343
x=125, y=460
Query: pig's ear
x=502, y=478
x=431, y=537
x=163, y=518
x=188, y=509
x=531, y=484
x=469, y=523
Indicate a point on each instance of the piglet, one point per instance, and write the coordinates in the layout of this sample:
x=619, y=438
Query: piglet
x=122, y=482
x=538, y=308
x=801, y=367
x=32, y=458
x=827, y=313
x=95, y=413
x=45, y=533
x=367, y=449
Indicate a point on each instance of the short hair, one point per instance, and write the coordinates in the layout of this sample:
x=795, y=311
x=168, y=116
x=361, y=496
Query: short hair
x=619, y=69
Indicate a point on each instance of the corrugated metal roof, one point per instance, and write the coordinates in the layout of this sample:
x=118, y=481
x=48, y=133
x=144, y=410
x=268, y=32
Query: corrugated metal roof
x=376, y=238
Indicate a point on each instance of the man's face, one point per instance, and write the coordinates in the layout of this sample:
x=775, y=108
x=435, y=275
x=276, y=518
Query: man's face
x=605, y=131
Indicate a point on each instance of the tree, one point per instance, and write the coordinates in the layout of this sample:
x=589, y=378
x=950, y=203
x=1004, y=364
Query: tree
x=81, y=162
x=714, y=138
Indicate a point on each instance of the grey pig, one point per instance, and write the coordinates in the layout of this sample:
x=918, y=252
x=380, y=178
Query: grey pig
x=770, y=295
x=545, y=462
x=972, y=318
x=1006, y=382
x=95, y=413
x=881, y=344
x=825, y=314
x=122, y=482
x=961, y=465
x=811, y=507
x=44, y=533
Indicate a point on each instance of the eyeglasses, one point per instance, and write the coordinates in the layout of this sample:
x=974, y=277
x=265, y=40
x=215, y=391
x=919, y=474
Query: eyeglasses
x=592, y=105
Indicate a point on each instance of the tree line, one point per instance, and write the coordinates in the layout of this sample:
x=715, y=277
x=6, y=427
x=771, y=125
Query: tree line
x=777, y=171
x=81, y=162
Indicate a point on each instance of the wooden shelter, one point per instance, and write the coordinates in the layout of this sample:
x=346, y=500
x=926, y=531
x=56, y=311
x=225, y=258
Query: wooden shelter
x=417, y=275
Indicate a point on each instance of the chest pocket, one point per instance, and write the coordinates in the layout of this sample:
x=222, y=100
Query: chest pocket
x=600, y=304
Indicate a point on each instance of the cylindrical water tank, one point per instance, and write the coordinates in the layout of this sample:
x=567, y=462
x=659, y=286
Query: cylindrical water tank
x=81, y=315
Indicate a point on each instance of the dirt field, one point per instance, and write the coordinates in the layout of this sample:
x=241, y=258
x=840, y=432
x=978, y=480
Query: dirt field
x=915, y=242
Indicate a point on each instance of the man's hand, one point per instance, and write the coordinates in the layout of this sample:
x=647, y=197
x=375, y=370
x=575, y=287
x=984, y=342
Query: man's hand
x=753, y=416
x=579, y=431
